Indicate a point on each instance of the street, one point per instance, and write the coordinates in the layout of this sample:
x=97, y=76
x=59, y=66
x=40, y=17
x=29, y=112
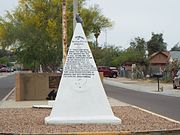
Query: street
x=160, y=104
x=6, y=85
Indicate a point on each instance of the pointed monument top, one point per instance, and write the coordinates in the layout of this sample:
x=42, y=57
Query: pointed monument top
x=78, y=18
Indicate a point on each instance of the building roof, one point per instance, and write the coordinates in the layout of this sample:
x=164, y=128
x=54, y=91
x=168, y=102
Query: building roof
x=167, y=54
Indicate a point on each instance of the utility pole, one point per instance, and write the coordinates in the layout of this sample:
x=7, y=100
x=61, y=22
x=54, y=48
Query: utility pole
x=106, y=43
x=64, y=31
x=75, y=11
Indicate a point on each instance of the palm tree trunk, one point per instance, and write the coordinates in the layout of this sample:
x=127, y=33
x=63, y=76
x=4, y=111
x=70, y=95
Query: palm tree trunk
x=64, y=30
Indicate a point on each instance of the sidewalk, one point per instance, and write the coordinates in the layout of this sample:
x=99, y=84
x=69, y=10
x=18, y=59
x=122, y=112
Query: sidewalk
x=11, y=103
x=143, y=86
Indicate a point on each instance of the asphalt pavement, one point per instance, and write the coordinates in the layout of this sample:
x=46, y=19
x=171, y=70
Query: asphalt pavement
x=7, y=83
x=144, y=94
x=144, y=86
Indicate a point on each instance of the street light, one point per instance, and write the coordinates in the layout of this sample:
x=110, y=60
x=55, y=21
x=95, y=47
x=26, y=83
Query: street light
x=106, y=42
x=75, y=11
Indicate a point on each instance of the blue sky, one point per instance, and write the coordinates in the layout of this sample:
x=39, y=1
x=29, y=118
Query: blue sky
x=132, y=18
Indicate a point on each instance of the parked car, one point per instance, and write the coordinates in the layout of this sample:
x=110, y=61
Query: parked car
x=2, y=65
x=176, y=78
x=108, y=71
x=176, y=82
x=5, y=69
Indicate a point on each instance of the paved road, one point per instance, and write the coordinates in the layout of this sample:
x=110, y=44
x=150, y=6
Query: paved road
x=163, y=105
x=6, y=85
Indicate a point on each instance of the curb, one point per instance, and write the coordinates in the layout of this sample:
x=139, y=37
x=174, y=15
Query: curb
x=164, y=132
x=169, y=119
x=5, y=98
x=168, y=132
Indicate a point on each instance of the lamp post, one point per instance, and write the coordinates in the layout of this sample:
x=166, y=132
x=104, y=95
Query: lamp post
x=64, y=31
x=75, y=11
x=106, y=43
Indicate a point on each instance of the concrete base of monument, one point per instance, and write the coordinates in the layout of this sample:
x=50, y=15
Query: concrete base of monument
x=82, y=120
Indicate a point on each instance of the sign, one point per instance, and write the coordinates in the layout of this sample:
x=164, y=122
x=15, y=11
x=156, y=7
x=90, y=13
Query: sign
x=54, y=81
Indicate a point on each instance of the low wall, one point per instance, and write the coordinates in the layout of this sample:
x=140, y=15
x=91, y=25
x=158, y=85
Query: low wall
x=35, y=86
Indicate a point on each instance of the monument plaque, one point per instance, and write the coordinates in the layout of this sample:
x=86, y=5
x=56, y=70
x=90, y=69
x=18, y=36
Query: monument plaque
x=81, y=97
x=54, y=81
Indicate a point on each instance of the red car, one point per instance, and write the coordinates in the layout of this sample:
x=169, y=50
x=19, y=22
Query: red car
x=111, y=72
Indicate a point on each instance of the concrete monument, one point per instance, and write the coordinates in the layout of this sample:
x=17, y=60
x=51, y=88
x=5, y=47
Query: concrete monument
x=81, y=97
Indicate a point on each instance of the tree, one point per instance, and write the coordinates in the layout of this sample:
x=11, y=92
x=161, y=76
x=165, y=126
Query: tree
x=34, y=30
x=176, y=47
x=3, y=53
x=106, y=56
x=6, y=33
x=156, y=43
x=138, y=46
x=34, y=33
x=94, y=21
x=6, y=57
x=4, y=60
x=134, y=53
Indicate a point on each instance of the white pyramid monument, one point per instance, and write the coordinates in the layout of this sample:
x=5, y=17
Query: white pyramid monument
x=81, y=97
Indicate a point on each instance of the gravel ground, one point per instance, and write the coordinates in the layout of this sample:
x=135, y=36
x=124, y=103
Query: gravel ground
x=31, y=121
